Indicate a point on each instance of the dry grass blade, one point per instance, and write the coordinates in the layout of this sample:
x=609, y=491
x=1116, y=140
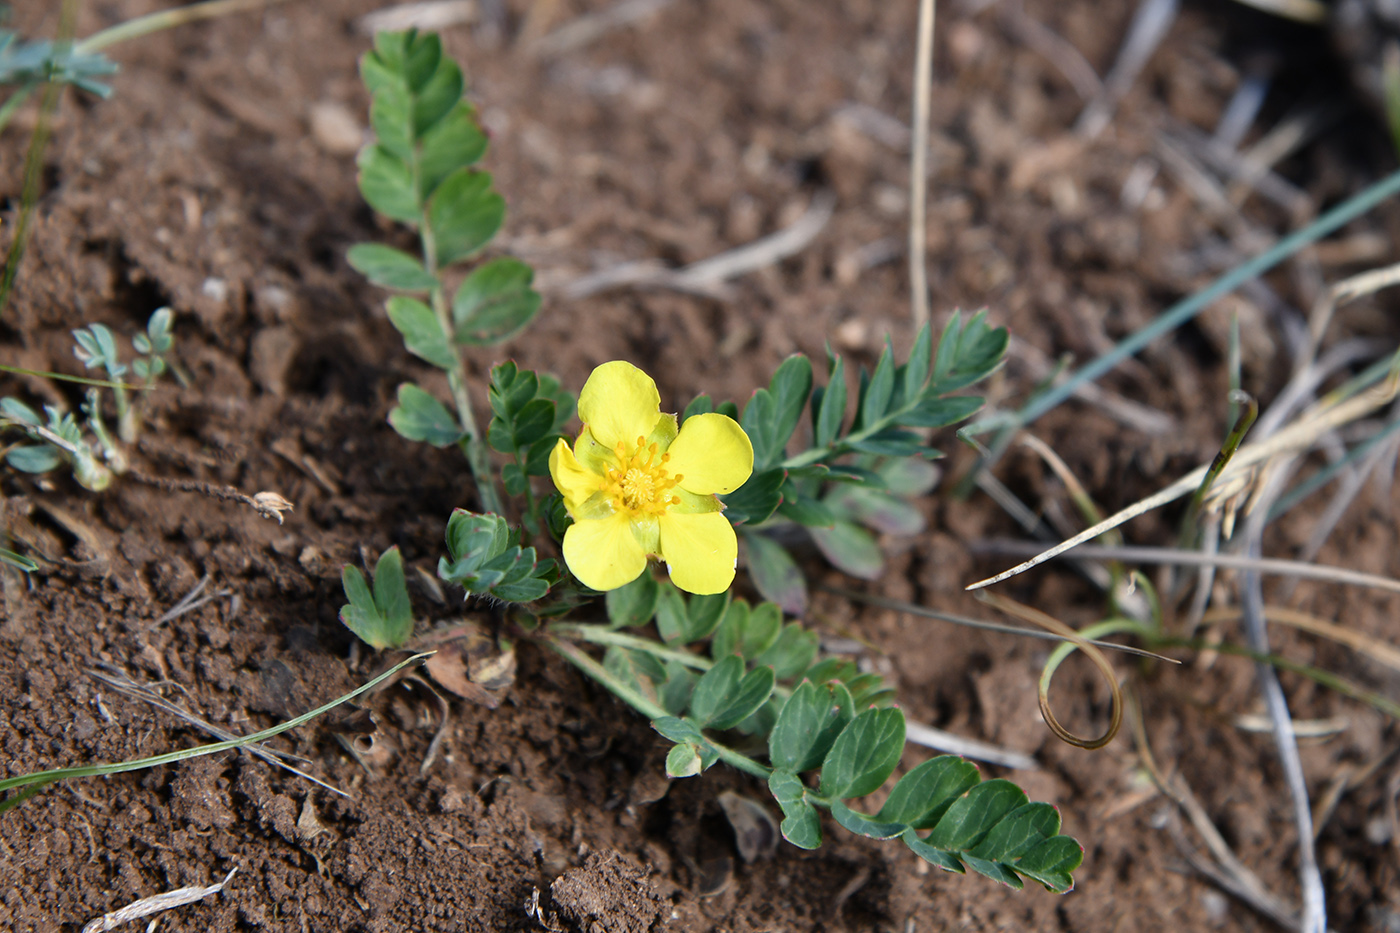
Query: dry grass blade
x=1373, y=648
x=941, y=741
x=1149, y=28
x=1156, y=555
x=590, y=28
x=155, y=904
x=429, y=15
x=918, y=167
x=1125, y=411
x=1298, y=436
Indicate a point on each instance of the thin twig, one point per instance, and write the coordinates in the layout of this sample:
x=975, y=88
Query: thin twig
x=266, y=504
x=941, y=741
x=1148, y=29
x=154, y=905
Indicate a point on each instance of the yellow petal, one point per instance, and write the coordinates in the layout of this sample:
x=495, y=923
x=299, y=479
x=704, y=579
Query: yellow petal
x=712, y=454
x=619, y=403
x=604, y=553
x=574, y=482
x=700, y=551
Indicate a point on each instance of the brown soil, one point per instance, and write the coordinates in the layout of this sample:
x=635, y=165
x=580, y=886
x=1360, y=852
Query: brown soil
x=204, y=183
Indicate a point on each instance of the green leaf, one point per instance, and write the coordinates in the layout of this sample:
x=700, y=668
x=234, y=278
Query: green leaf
x=938, y=412
x=713, y=690
x=973, y=814
x=875, y=399
x=628, y=667
x=932, y=854
x=851, y=549
x=890, y=442
x=757, y=499
x=745, y=699
x=436, y=98
x=422, y=334
x=790, y=388
x=390, y=268
x=758, y=630
x=807, y=725
x=684, y=761
x=671, y=615
x=863, y=825
x=775, y=574
x=386, y=183
x=917, y=368
x=730, y=632
x=758, y=424
x=677, y=687
x=1051, y=862
x=704, y=614
x=700, y=405
x=805, y=510
x=34, y=458
x=792, y=653
x=994, y=870
x=635, y=603
x=391, y=596
x=922, y=796
x=494, y=302
x=16, y=560
x=801, y=825
x=479, y=537
x=865, y=753
x=464, y=214
x=829, y=410
x=529, y=425
x=877, y=510
x=421, y=417
x=678, y=730
x=13, y=408
x=455, y=142
x=1019, y=832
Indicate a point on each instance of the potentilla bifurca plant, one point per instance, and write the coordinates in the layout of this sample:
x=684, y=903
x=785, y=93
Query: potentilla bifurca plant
x=648, y=509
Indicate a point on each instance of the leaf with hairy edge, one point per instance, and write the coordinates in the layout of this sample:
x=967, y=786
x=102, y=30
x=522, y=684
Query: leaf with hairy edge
x=922, y=796
x=684, y=761
x=801, y=825
x=864, y=754
x=974, y=814
x=862, y=825
x=745, y=699
x=775, y=574
x=1018, y=832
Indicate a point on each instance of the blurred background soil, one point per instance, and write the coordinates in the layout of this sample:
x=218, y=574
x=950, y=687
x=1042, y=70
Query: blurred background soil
x=220, y=179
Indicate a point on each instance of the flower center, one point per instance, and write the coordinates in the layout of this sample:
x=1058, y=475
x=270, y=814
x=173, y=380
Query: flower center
x=641, y=484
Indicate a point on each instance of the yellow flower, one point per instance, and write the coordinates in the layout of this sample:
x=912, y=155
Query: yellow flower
x=638, y=488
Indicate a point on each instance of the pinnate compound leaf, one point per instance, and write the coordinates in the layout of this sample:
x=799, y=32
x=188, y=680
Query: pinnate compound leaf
x=864, y=754
x=851, y=549
x=863, y=825
x=635, y=603
x=464, y=214
x=419, y=416
x=775, y=574
x=390, y=268
x=530, y=424
x=923, y=795
x=495, y=302
x=801, y=825
x=1018, y=832
x=422, y=334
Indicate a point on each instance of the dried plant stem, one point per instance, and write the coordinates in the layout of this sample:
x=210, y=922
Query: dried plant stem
x=918, y=167
x=167, y=19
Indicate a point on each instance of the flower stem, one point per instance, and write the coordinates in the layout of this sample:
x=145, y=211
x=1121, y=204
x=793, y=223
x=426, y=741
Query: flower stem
x=645, y=705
